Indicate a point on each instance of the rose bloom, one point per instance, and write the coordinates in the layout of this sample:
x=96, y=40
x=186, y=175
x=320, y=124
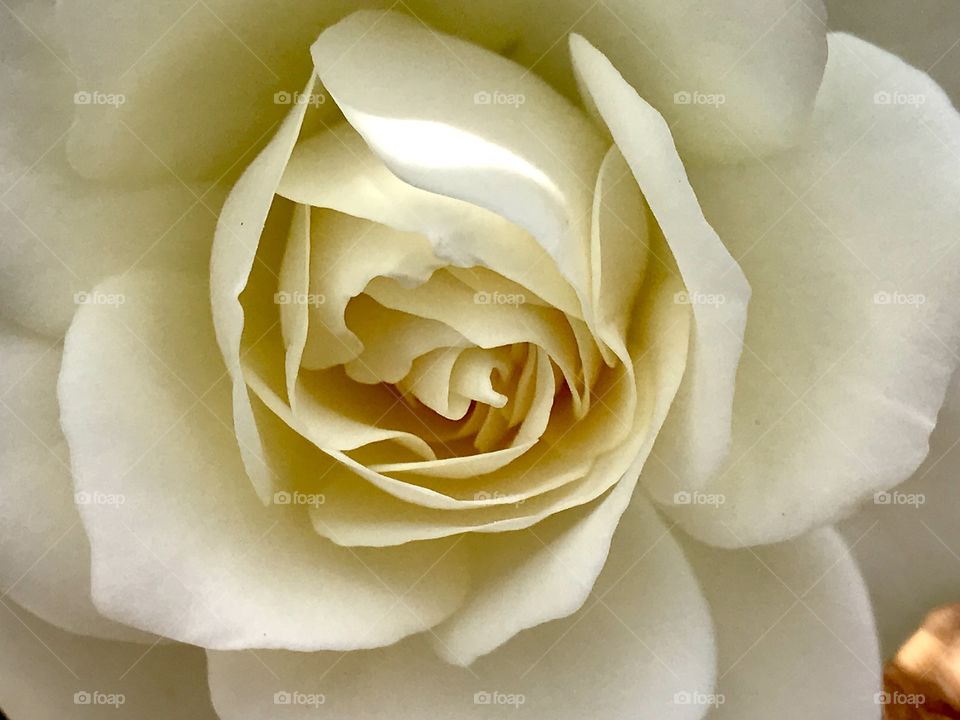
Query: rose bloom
x=371, y=360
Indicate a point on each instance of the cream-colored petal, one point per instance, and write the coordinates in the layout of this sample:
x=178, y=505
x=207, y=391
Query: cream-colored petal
x=188, y=550
x=755, y=64
x=293, y=288
x=908, y=539
x=36, y=87
x=44, y=553
x=392, y=340
x=336, y=169
x=49, y=674
x=697, y=434
x=851, y=245
x=235, y=244
x=346, y=254
x=619, y=247
x=644, y=636
x=203, y=83
x=61, y=235
x=416, y=98
x=795, y=632
x=488, y=324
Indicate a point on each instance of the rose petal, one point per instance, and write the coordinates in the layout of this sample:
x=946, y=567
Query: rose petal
x=764, y=58
x=45, y=555
x=62, y=235
x=531, y=587
x=697, y=432
x=850, y=244
x=49, y=674
x=780, y=608
x=235, y=244
x=416, y=98
x=910, y=551
x=346, y=254
x=188, y=551
x=192, y=75
x=36, y=87
x=294, y=282
x=645, y=637
x=564, y=471
x=336, y=169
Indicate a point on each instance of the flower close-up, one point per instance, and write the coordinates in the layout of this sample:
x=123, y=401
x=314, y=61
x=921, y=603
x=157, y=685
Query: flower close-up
x=421, y=359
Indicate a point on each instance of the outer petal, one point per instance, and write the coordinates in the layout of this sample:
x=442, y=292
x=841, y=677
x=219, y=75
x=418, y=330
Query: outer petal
x=850, y=246
x=438, y=112
x=697, y=433
x=924, y=33
x=644, y=637
x=910, y=551
x=181, y=544
x=765, y=58
x=59, y=236
x=36, y=87
x=795, y=631
x=238, y=234
x=49, y=674
x=44, y=553
x=198, y=79
x=62, y=235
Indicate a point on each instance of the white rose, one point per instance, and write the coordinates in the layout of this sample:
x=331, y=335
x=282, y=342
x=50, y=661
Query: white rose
x=473, y=354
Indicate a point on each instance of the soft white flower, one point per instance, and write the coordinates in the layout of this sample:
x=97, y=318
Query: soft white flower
x=597, y=315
